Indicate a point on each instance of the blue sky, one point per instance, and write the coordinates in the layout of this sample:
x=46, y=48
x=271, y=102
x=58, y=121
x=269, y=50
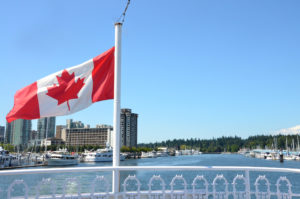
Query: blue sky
x=198, y=68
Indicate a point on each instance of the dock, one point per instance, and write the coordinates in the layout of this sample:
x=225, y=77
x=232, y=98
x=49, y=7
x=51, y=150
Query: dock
x=23, y=166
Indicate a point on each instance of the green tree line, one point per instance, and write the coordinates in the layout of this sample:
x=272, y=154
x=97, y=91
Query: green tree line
x=135, y=149
x=228, y=144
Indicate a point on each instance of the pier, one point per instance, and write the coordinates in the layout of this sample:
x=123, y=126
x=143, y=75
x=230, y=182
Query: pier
x=23, y=166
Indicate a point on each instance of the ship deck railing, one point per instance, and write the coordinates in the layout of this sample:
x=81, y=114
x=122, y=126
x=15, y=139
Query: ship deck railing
x=152, y=182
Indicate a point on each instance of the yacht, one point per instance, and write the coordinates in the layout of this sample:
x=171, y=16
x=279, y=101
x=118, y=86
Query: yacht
x=7, y=160
x=162, y=154
x=150, y=154
x=61, y=158
x=100, y=155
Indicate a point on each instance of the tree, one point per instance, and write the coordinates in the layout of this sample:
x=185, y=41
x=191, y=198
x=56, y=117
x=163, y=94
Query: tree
x=234, y=148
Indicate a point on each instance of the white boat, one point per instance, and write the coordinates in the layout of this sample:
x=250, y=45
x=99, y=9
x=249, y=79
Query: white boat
x=61, y=158
x=290, y=157
x=101, y=155
x=150, y=154
x=7, y=160
x=186, y=152
x=178, y=152
x=162, y=154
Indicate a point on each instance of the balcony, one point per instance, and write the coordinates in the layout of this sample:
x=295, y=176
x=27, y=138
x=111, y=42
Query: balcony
x=138, y=182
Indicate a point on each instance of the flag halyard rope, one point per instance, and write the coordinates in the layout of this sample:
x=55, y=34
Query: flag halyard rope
x=124, y=13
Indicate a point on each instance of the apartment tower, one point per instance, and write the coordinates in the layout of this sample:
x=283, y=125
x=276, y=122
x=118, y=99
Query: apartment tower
x=128, y=128
x=42, y=127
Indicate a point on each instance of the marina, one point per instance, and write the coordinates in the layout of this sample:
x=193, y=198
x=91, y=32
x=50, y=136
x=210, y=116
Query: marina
x=272, y=154
x=63, y=158
x=289, y=153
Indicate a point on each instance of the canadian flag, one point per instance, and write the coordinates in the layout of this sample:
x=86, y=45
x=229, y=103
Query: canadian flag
x=66, y=91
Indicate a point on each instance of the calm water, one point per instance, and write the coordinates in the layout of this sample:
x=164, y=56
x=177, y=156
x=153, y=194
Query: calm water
x=87, y=178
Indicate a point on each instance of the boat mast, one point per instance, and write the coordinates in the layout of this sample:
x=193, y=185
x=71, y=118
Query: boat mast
x=286, y=144
x=298, y=146
x=293, y=144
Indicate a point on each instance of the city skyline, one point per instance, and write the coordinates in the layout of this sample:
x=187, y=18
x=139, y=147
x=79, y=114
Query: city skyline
x=204, y=69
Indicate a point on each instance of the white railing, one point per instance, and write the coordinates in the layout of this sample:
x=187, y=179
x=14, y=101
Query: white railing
x=137, y=182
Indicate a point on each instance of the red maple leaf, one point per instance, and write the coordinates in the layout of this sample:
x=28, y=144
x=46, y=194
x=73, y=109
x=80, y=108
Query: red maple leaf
x=67, y=89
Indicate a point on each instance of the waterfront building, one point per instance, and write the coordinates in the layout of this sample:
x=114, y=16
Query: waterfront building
x=52, y=141
x=74, y=124
x=2, y=130
x=59, y=129
x=42, y=127
x=35, y=142
x=44, y=142
x=128, y=128
x=18, y=132
x=86, y=136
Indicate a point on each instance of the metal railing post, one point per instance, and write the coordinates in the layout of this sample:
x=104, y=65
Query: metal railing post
x=116, y=182
x=248, y=189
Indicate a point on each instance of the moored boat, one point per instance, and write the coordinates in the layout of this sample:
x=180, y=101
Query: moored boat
x=100, y=155
x=150, y=154
x=61, y=158
x=7, y=160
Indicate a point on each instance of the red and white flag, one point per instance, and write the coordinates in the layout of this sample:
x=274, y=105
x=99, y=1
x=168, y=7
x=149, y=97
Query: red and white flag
x=66, y=91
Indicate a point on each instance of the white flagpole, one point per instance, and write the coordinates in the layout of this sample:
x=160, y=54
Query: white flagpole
x=117, y=97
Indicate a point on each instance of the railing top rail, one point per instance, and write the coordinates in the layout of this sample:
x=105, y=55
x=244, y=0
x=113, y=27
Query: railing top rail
x=147, y=168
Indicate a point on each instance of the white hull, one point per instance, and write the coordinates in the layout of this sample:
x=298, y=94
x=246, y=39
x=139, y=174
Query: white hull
x=8, y=161
x=101, y=155
x=148, y=155
x=61, y=158
x=61, y=162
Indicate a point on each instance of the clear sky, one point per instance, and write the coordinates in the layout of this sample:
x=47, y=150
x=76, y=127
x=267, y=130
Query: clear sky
x=197, y=68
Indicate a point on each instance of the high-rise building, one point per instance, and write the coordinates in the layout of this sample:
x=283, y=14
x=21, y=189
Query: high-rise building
x=33, y=135
x=86, y=136
x=74, y=124
x=42, y=127
x=128, y=128
x=8, y=133
x=2, y=129
x=18, y=132
x=59, y=129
